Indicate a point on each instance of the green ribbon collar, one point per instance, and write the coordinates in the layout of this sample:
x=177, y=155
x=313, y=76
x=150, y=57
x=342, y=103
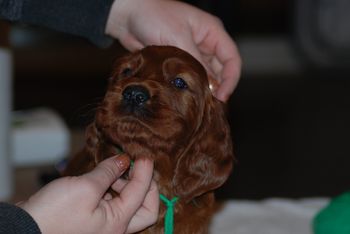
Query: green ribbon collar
x=169, y=214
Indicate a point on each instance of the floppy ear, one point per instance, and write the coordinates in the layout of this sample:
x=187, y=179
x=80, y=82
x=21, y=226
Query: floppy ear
x=94, y=151
x=207, y=163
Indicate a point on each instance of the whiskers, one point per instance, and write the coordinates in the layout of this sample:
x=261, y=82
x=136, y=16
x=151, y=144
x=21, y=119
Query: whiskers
x=86, y=114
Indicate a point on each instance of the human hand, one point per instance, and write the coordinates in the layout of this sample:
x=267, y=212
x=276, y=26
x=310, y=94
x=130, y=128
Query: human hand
x=80, y=204
x=137, y=23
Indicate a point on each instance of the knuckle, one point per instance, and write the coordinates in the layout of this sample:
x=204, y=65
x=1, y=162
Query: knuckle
x=109, y=172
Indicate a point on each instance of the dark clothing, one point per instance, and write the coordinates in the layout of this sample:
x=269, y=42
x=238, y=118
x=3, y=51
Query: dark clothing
x=86, y=18
x=14, y=220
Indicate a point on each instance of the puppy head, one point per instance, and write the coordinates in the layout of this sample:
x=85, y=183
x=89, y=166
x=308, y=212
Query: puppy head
x=154, y=102
x=159, y=105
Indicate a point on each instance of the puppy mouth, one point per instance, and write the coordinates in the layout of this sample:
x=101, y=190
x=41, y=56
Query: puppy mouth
x=138, y=112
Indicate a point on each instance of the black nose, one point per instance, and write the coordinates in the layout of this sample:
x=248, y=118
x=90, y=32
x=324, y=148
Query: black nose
x=135, y=95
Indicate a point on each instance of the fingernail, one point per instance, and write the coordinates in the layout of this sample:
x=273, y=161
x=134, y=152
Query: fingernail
x=123, y=162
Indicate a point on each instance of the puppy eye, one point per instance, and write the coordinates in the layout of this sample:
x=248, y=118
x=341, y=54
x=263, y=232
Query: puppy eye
x=179, y=83
x=126, y=72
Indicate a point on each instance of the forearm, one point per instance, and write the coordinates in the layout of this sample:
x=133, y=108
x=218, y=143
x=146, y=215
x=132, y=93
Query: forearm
x=86, y=18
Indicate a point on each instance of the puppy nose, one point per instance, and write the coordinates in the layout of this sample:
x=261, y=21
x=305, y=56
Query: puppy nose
x=135, y=95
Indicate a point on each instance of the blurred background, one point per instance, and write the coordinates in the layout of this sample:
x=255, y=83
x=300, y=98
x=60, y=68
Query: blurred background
x=289, y=114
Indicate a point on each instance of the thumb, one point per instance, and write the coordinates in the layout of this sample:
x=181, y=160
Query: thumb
x=106, y=173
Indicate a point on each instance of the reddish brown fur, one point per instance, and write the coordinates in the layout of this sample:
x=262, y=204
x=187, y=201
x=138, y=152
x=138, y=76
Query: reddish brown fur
x=184, y=131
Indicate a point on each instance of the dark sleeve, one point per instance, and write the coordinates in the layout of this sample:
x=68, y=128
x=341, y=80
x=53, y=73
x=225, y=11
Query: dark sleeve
x=14, y=220
x=86, y=18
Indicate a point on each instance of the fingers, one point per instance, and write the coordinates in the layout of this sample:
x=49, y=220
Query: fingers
x=224, y=67
x=227, y=54
x=133, y=194
x=119, y=185
x=220, y=54
x=147, y=214
x=106, y=173
x=229, y=80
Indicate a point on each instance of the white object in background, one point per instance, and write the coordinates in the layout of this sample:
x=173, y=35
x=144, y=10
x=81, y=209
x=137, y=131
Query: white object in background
x=39, y=137
x=6, y=183
x=270, y=216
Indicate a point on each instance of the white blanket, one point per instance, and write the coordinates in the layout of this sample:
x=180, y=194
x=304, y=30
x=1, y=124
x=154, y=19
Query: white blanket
x=270, y=216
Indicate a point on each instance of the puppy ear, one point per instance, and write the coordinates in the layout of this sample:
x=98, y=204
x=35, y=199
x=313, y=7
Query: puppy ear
x=86, y=159
x=207, y=163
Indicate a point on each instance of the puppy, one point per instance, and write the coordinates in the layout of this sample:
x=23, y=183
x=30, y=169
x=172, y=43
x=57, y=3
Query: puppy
x=158, y=104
